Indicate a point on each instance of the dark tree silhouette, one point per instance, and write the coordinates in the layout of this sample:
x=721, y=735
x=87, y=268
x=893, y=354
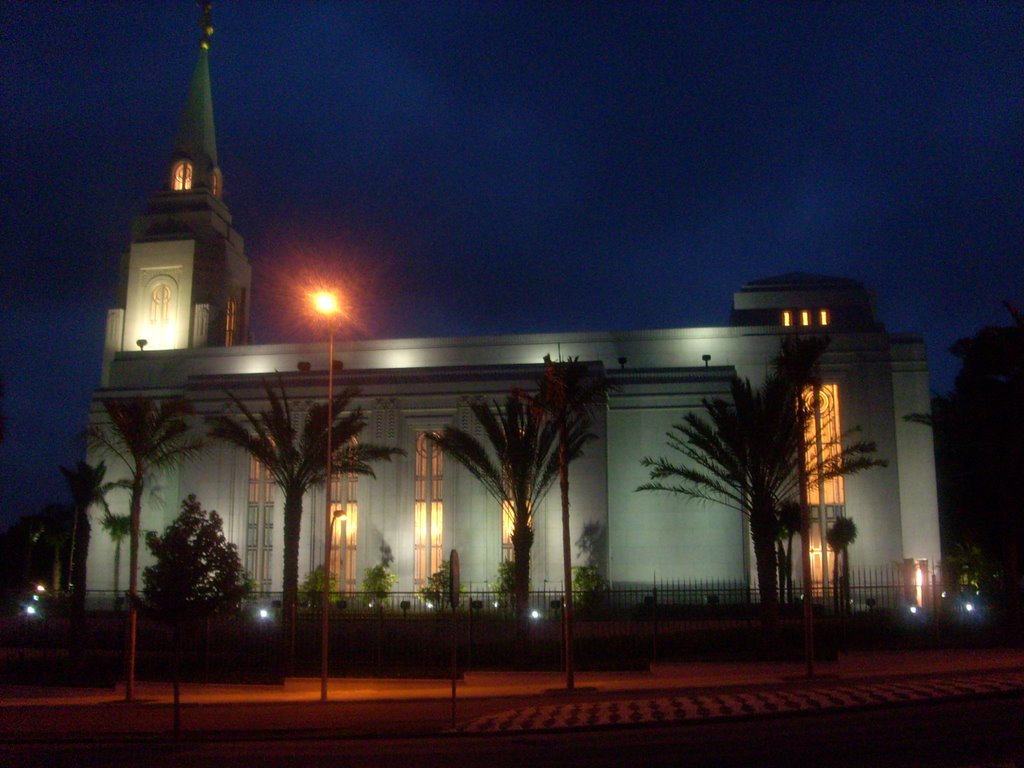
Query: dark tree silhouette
x=197, y=573
x=979, y=429
x=567, y=394
x=88, y=489
x=146, y=436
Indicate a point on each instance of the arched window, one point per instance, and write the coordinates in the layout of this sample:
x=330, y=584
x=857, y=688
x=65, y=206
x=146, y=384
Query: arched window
x=230, y=323
x=215, y=182
x=160, y=304
x=428, y=510
x=181, y=176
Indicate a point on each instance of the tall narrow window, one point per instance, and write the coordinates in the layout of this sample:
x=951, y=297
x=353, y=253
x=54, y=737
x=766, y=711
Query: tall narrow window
x=160, y=304
x=823, y=316
x=805, y=317
x=787, y=318
x=345, y=529
x=428, y=510
x=215, y=182
x=181, y=176
x=259, y=532
x=230, y=323
x=507, y=526
x=829, y=441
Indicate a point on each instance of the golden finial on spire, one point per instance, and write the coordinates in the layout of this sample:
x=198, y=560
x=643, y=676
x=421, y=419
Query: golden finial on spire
x=205, y=23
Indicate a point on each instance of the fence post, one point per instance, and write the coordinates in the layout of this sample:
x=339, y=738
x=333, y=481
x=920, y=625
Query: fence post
x=654, y=635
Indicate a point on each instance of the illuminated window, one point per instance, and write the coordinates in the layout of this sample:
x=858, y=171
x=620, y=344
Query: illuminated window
x=259, y=530
x=823, y=316
x=345, y=527
x=787, y=318
x=181, y=176
x=507, y=525
x=215, y=182
x=428, y=510
x=160, y=304
x=805, y=317
x=829, y=441
x=230, y=322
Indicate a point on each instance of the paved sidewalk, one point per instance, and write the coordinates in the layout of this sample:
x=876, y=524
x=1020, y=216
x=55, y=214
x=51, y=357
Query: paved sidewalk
x=517, y=702
x=714, y=706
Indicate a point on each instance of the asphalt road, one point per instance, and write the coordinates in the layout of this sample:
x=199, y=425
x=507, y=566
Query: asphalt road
x=978, y=732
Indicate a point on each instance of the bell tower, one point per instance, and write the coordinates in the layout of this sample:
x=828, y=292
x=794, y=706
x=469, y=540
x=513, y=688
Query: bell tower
x=185, y=279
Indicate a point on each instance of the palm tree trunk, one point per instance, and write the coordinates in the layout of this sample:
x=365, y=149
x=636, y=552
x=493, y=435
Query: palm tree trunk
x=805, y=545
x=567, y=617
x=133, y=583
x=177, y=680
x=522, y=540
x=846, y=580
x=80, y=543
x=290, y=580
x=117, y=574
x=780, y=564
x=789, y=569
x=763, y=533
x=55, y=569
x=836, y=596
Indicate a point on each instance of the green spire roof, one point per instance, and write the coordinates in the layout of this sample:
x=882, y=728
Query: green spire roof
x=197, y=138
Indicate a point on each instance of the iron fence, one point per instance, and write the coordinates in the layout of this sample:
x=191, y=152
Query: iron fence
x=409, y=633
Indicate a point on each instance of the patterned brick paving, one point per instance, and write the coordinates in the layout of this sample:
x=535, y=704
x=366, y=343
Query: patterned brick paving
x=673, y=709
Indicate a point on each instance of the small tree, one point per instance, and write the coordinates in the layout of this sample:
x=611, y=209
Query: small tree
x=588, y=588
x=437, y=590
x=504, y=585
x=839, y=537
x=197, y=574
x=379, y=580
x=312, y=587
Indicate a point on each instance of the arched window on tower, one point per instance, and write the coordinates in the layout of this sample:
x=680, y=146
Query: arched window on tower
x=215, y=182
x=160, y=304
x=181, y=176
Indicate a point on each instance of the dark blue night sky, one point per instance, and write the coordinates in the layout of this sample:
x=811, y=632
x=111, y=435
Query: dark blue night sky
x=476, y=168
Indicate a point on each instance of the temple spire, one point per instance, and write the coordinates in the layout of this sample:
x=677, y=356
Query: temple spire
x=206, y=24
x=194, y=163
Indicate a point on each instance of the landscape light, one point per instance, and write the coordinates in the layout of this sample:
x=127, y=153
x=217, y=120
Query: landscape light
x=968, y=607
x=30, y=610
x=913, y=609
x=535, y=614
x=264, y=613
x=40, y=588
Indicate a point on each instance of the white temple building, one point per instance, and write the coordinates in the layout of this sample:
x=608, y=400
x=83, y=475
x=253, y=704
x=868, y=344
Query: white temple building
x=180, y=330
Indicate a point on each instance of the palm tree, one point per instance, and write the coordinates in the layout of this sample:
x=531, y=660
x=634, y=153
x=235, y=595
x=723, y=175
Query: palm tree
x=839, y=537
x=87, y=489
x=798, y=365
x=297, y=460
x=57, y=533
x=741, y=453
x=568, y=392
x=147, y=437
x=746, y=454
x=521, y=472
x=117, y=527
x=789, y=526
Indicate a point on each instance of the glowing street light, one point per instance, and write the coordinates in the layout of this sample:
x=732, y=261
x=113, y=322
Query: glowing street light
x=326, y=303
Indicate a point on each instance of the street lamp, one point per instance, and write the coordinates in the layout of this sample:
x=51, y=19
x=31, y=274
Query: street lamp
x=326, y=304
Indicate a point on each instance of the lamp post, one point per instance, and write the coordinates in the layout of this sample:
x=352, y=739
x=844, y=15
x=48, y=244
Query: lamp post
x=326, y=303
